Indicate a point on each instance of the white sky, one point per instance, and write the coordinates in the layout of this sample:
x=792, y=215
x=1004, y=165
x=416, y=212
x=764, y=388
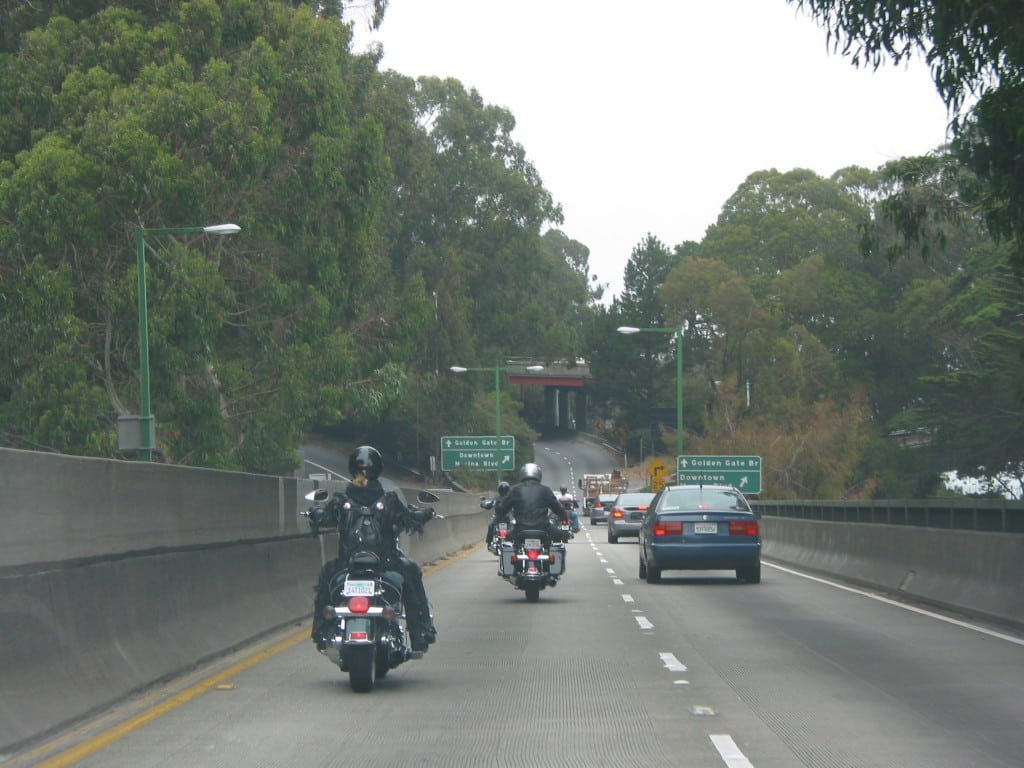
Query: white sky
x=645, y=116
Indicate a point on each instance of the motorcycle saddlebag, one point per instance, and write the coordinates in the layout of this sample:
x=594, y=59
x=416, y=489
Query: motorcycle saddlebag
x=506, y=565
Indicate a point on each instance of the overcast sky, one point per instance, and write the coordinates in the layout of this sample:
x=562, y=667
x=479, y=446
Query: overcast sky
x=645, y=116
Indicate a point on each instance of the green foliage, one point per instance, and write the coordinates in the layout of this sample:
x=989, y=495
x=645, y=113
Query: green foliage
x=976, y=53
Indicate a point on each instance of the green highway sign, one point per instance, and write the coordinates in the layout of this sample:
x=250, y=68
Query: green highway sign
x=478, y=452
x=742, y=472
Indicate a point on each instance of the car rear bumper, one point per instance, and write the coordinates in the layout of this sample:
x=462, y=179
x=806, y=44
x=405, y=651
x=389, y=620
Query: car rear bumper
x=620, y=528
x=698, y=557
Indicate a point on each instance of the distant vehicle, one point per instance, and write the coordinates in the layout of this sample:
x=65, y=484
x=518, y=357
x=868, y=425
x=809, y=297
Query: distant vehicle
x=694, y=527
x=628, y=511
x=602, y=507
x=593, y=485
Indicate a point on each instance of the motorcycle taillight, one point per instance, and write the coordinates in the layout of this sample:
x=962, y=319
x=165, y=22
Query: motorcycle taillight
x=533, y=554
x=359, y=604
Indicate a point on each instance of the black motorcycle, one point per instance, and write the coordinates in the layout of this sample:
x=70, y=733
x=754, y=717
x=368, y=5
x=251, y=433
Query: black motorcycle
x=369, y=636
x=497, y=535
x=531, y=559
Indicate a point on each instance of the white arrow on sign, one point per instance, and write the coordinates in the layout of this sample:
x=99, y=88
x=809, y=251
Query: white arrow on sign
x=684, y=463
x=743, y=481
x=506, y=459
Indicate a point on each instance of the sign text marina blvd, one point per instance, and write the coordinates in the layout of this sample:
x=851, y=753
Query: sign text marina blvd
x=742, y=472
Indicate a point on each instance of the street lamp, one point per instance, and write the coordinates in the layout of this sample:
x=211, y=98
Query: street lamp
x=497, y=390
x=146, y=416
x=627, y=329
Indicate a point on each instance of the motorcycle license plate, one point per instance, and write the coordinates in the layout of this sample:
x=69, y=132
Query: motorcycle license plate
x=705, y=527
x=531, y=544
x=359, y=588
x=503, y=527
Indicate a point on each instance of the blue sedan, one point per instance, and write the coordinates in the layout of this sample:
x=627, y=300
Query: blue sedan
x=699, y=528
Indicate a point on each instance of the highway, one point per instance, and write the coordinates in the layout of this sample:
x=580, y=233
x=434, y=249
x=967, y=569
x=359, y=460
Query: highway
x=606, y=670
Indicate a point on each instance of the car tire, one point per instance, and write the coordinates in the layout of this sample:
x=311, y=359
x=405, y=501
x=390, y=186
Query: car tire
x=612, y=538
x=750, y=573
x=653, y=575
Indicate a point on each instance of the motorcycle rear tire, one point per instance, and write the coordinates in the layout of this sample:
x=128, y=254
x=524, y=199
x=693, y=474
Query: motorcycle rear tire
x=362, y=668
x=532, y=592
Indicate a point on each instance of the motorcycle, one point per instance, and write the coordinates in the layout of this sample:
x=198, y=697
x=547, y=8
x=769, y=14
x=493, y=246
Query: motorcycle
x=500, y=532
x=531, y=560
x=369, y=636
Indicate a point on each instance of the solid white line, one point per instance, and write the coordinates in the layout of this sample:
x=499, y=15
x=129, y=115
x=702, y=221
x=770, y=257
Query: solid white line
x=729, y=751
x=904, y=606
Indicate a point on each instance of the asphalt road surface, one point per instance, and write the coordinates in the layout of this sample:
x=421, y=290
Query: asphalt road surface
x=605, y=670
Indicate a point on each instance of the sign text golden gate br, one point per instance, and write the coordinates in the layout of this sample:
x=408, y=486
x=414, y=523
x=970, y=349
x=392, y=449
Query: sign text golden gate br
x=742, y=472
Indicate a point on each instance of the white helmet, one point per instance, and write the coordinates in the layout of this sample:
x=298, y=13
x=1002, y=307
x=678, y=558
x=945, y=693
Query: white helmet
x=530, y=472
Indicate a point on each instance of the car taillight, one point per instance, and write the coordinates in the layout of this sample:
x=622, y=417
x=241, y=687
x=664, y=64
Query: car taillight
x=743, y=527
x=617, y=513
x=668, y=529
x=359, y=604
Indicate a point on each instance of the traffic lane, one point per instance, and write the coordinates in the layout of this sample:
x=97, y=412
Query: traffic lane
x=564, y=461
x=570, y=680
x=884, y=683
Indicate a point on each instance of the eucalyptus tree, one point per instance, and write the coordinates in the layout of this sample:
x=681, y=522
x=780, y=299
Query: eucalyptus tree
x=186, y=115
x=976, y=53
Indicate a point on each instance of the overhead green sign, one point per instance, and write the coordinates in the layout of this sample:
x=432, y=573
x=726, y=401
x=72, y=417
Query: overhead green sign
x=478, y=452
x=742, y=472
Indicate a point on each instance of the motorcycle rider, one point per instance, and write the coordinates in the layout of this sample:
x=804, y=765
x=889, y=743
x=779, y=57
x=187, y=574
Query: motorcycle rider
x=532, y=503
x=569, y=504
x=393, y=516
x=497, y=517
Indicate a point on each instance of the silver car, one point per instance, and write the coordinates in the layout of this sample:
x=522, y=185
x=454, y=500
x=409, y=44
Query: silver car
x=602, y=506
x=627, y=515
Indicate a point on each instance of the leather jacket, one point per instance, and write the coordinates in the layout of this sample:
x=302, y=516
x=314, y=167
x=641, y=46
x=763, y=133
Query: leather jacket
x=531, y=503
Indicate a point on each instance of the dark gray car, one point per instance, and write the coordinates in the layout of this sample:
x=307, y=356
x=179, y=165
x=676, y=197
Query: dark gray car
x=627, y=514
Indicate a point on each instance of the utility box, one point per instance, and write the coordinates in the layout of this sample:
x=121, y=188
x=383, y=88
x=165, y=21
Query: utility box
x=135, y=433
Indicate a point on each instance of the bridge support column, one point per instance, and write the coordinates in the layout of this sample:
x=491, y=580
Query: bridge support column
x=550, y=407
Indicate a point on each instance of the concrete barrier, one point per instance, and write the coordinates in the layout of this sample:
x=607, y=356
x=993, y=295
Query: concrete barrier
x=114, y=575
x=976, y=573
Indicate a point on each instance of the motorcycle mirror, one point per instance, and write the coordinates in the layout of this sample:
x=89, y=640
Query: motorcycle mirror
x=318, y=494
x=426, y=497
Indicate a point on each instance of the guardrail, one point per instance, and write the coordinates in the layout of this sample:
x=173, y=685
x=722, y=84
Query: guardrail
x=983, y=515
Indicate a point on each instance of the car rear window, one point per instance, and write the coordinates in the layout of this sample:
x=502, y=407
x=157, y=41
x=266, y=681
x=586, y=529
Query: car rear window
x=635, y=500
x=702, y=498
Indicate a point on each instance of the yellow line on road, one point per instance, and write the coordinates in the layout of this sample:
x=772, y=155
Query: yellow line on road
x=105, y=739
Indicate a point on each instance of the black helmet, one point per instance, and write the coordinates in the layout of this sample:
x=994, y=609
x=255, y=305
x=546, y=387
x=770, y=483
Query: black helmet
x=563, y=489
x=530, y=472
x=503, y=487
x=365, y=460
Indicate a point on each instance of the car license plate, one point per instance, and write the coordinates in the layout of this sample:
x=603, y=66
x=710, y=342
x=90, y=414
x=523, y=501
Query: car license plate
x=705, y=527
x=531, y=544
x=359, y=588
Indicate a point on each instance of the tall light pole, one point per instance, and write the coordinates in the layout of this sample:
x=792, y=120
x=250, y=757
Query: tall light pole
x=627, y=329
x=498, y=369
x=146, y=416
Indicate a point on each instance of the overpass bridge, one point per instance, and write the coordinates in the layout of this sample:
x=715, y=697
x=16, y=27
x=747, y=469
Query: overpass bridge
x=565, y=392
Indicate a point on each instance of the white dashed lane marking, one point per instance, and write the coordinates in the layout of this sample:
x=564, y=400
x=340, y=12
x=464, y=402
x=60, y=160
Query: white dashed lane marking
x=729, y=751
